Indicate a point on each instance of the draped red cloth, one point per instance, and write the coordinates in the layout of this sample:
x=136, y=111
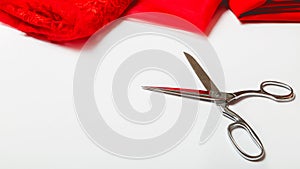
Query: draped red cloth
x=66, y=20
x=60, y=20
x=198, y=12
x=266, y=10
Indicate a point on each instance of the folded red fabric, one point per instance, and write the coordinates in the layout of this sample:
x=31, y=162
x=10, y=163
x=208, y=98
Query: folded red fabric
x=67, y=20
x=266, y=10
x=60, y=20
x=198, y=12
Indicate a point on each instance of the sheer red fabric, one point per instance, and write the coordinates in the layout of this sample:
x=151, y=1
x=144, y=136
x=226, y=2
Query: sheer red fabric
x=60, y=20
x=266, y=10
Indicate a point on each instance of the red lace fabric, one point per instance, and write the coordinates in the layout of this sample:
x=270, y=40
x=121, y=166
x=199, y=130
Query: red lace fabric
x=266, y=10
x=60, y=20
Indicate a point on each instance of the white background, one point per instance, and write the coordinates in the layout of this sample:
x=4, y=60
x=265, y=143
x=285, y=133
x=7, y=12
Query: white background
x=39, y=127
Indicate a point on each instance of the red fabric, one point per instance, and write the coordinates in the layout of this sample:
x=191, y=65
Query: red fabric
x=65, y=20
x=266, y=10
x=198, y=12
x=60, y=20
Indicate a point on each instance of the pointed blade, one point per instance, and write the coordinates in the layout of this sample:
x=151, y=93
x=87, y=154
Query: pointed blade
x=186, y=93
x=203, y=77
x=214, y=116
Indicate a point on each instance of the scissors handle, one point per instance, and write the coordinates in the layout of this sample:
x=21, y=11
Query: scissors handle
x=263, y=92
x=239, y=123
x=277, y=97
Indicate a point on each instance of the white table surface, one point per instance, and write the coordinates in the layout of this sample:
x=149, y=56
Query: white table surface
x=39, y=127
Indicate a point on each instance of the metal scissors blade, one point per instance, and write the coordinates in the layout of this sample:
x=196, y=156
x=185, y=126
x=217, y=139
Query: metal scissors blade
x=187, y=93
x=203, y=77
x=214, y=116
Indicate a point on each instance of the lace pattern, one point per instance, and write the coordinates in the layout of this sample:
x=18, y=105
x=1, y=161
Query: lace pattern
x=59, y=21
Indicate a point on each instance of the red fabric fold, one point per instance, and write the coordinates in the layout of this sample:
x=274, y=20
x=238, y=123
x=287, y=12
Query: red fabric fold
x=59, y=21
x=266, y=10
x=198, y=12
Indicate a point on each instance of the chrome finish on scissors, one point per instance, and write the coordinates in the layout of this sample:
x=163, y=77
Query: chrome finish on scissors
x=224, y=100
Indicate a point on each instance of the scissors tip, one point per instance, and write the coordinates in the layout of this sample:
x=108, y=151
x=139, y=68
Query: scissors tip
x=153, y=89
x=187, y=55
x=147, y=87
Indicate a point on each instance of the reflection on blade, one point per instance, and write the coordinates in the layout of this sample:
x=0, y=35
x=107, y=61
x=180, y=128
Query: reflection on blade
x=186, y=93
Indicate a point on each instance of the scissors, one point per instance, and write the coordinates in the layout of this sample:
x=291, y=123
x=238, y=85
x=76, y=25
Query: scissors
x=223, y=100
